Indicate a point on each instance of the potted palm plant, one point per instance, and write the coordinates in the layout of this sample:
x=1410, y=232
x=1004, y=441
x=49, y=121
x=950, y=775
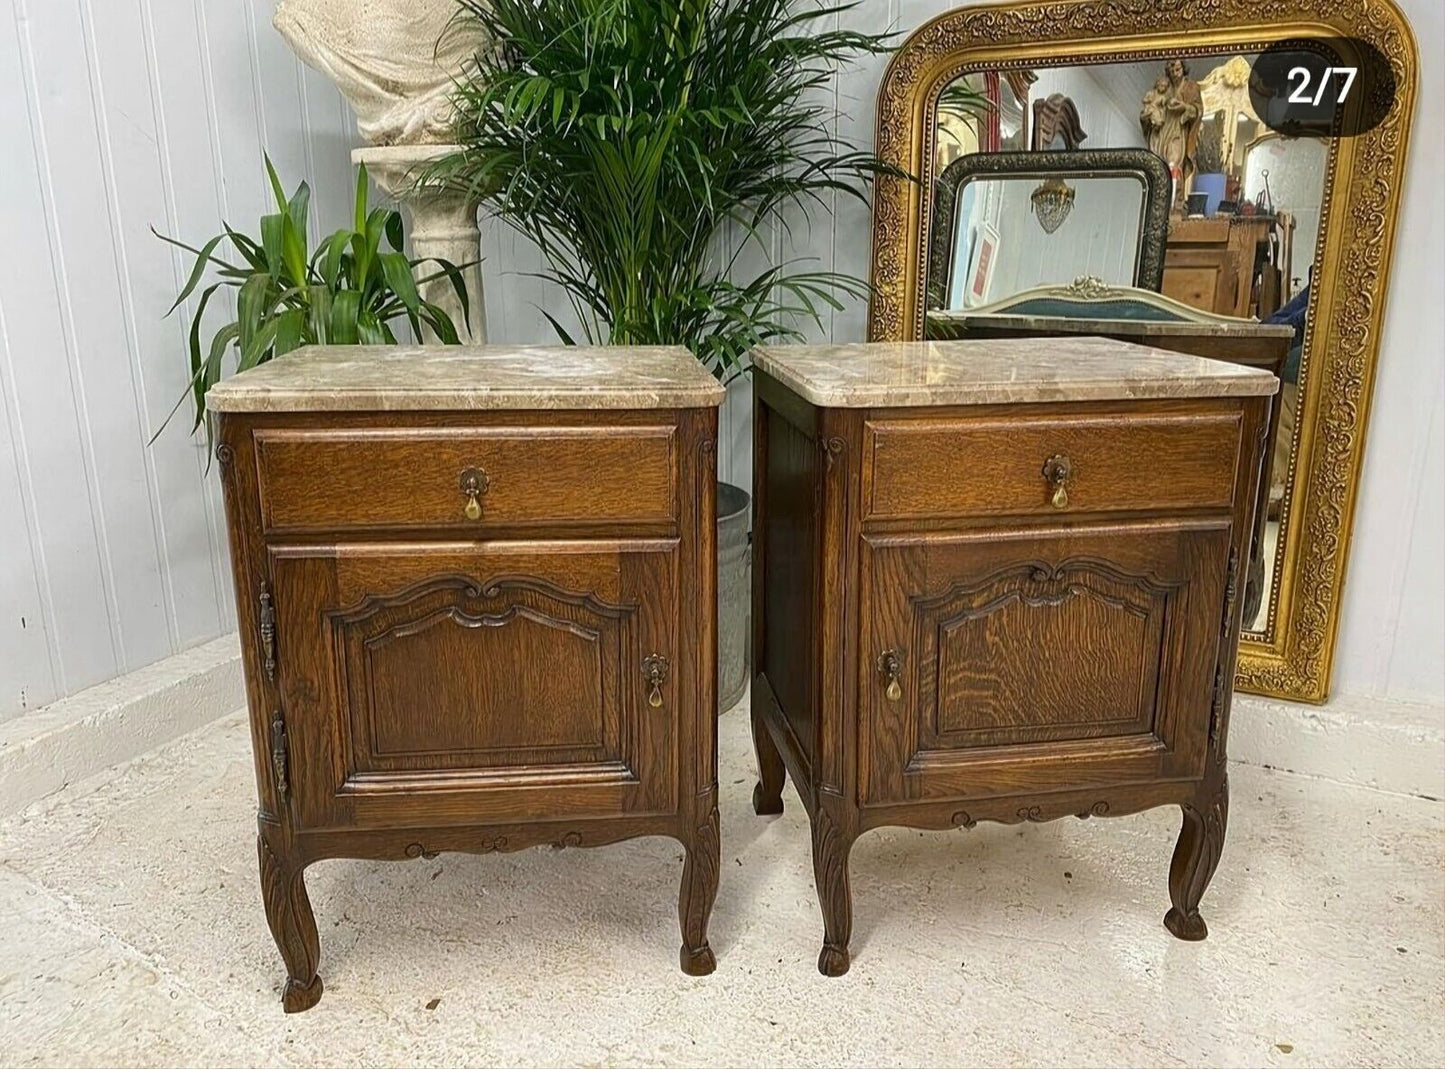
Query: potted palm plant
x=643, y=145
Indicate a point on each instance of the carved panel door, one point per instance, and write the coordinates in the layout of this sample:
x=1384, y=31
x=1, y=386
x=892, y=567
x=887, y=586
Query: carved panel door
x=436, y=684
x=1011, y=662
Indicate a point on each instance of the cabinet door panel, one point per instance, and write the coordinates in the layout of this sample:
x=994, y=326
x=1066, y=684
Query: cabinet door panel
x=1039, y=660
x=470, y=683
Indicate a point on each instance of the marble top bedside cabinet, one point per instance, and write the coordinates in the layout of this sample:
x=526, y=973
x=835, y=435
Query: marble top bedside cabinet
x=476, y=592
x=999, y=580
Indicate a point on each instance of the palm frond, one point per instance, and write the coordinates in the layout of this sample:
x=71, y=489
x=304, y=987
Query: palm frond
x=625, y=137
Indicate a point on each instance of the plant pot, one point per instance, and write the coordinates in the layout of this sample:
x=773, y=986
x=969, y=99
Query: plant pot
x=1213, y=187
x=734, y=596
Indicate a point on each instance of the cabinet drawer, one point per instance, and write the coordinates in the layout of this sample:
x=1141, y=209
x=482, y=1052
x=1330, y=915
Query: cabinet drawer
x=991, y=466
x=342, y=479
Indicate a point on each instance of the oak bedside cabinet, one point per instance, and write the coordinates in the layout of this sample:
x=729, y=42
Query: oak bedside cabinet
x=999, y=580
x=476, y=593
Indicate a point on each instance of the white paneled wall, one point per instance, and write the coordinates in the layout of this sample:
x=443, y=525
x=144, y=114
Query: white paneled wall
x=120, y=114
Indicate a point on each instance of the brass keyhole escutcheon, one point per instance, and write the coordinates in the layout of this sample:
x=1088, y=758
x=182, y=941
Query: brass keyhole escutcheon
x=890, y=667
x=1057, y=470
x=474, y=483
x=654, y=670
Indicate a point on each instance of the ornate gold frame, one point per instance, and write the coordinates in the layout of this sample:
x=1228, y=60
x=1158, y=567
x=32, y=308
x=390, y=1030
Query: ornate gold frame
x=1294, y=657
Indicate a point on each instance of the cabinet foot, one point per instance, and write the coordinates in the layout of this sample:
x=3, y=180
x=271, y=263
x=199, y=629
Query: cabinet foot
x=768, y=794
x=831, y=846
x=833, y=961
x=297, y=998
x=1196, y=855
x=293, y=927
x=1191, y=928
x=699, y=889
x=767, y=803
x=698, y=962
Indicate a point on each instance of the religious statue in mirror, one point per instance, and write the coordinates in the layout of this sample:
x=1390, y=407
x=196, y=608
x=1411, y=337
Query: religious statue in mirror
x=1170, y=120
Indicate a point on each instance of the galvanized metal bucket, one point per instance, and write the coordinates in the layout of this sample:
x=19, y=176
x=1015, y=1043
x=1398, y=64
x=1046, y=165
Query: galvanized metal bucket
x=734, y=595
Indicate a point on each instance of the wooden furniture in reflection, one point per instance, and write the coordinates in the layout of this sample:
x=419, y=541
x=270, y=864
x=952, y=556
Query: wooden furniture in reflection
x=477, y=610
x=1212, y=264
x=1124, y=313
x=1056, y=117
x=998, y=581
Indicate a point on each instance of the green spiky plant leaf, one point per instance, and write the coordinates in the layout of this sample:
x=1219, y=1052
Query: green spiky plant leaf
x=348, y=291
x=624, y=137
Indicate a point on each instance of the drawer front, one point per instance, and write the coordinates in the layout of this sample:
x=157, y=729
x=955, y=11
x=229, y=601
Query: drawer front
x=334, y=479
x=454, y=684
x=1062, y=659
x=988, y=466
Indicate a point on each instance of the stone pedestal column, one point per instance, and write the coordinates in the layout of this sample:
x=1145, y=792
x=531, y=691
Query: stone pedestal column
x=443, y=224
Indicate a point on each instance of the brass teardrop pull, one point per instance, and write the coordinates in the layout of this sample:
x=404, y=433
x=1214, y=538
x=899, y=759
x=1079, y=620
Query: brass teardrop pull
x=654, y=670
x=1057, y=470
x=474, y=483
x=890, y=666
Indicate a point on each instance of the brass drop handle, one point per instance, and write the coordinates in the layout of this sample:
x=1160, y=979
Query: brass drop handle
x=890, y=667
x=474, y=483
x=654, y=670
x=1057, y=470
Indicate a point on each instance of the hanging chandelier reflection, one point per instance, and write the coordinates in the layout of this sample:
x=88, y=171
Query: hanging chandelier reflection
x=1052, y=201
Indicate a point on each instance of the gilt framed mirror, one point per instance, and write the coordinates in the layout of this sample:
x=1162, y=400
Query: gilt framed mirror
x=1271, y=218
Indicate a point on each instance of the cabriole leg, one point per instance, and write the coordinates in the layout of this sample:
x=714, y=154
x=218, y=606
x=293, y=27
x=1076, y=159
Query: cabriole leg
x=288, y=912
x=830, y=872
x=699, y=890
x=768, y=794
x=1196, y=855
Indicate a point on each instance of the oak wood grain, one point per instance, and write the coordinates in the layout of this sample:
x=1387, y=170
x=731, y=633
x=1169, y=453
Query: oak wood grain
x=382, y=477
x=995, y=467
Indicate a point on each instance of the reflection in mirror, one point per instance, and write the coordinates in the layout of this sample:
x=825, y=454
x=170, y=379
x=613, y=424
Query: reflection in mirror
x=1011, y=234
x=1245, y=211
x=1018, y=220
x=982, y=112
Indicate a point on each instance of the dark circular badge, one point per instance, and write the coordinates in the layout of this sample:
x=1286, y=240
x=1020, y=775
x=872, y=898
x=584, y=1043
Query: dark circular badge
x=1322, y=87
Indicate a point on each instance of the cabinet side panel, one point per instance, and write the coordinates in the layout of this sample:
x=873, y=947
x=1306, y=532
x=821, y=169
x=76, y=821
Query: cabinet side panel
x=790, y=557
x=235, y=455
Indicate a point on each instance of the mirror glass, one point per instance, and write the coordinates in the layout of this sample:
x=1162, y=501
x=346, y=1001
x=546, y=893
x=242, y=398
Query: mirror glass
x=1013, y=232
x=1246, y=207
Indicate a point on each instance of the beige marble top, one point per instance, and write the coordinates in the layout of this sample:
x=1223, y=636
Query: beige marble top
x=998, y=371
x=1249, y=328
x=336, y=378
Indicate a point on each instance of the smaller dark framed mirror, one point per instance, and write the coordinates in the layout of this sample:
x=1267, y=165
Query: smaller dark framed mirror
x=1005, y=222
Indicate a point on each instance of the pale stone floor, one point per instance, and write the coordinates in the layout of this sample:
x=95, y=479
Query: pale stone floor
x=131, y=932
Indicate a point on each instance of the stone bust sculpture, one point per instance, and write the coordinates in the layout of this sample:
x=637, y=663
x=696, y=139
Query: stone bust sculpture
x=394, y=60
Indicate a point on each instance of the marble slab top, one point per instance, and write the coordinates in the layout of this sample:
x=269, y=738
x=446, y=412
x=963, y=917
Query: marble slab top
x=1144, y=328
x=987, y=372
x=342, y=378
